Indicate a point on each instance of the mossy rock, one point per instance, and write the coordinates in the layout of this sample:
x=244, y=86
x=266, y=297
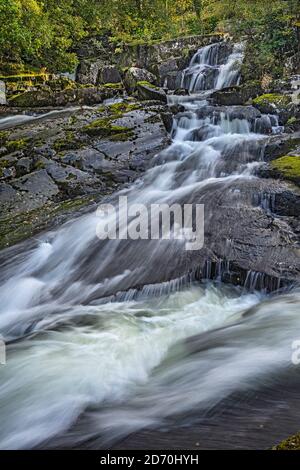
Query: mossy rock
x=270, y=102
x=116, y=86
x=123, y=108
x=68, y=142
x=31, y=99
x=146, y=91
x=105, y=128
x=287, y=167
x=148, y=84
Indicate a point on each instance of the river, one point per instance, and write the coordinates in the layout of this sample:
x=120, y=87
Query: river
x=101, y=345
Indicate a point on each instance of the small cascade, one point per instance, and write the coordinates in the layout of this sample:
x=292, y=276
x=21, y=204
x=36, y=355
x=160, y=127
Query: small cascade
x=229, y=73
x=213, y=67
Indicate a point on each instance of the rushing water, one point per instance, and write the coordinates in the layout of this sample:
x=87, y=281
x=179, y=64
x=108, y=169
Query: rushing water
x=91, y=356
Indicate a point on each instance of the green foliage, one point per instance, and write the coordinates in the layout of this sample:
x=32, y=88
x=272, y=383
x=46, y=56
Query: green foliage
x=44, y=33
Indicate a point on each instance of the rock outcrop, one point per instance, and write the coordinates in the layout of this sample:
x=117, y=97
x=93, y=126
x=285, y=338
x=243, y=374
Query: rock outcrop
x=53, y=167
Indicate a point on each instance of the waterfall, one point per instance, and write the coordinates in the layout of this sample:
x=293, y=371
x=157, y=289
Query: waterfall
x=98, y=330
x=210, y=69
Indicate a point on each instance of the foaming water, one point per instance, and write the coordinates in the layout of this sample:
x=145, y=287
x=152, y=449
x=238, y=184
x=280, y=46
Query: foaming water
x=99, y=356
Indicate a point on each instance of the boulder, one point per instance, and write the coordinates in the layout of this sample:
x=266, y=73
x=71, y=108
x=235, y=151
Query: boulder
x=135, y=75
x=167, y=119
x=236, y=95
x=162, y=69
x=88, y=71
x=32, y=99
x=81, y=96
x=270, y=103
x=108, y=74
x=88, y=159
x=38, y=184
x=173, y=80
x=147, y=91
x=2, y=93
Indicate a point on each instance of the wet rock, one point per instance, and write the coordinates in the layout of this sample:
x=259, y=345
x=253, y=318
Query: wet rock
x=7, y=193
x=236, y=95
x=9, y=173
x=280, y=145
x=146, y=91
x=163, y=69
x=135, y=75
x=181, y=92
x=173, y=80
x=150, y=55
x=287, y=203
x=271, y=103
x=80, y=96
x=24, y=165
x=32, y=99
x=109, y=74
x=167, y=119
x=38, y=183
x=88, y=160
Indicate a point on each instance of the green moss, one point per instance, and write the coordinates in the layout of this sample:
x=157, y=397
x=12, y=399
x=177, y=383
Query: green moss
x=16, y=227
x=68, y=142
x=288, y=166
x=291, y=121
x=122, y=108
x=147, y=84
x=292, y=443
x=14, y=145
x=122, y=136
x=272, y=98
x=101, y=109
x=104, y=128
x=117, y=86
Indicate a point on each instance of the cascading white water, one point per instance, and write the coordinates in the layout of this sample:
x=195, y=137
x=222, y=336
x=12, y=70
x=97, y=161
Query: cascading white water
x=76, y=354
x=210, y=70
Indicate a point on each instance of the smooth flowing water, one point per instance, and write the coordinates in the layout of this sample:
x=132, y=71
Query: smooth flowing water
x=92, y=356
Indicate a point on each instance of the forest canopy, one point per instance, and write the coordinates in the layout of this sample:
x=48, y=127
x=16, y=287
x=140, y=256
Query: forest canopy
x=44, y=33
